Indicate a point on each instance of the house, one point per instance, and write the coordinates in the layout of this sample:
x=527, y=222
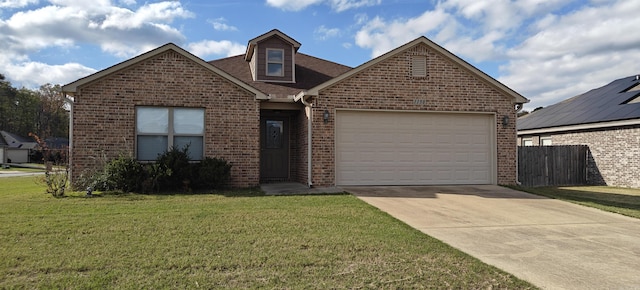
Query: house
x=3, y=151
x=606, y=119
x=415, y=115
x=15, y=148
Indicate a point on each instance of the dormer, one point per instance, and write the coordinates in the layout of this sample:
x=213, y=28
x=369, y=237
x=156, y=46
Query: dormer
x=271, y=57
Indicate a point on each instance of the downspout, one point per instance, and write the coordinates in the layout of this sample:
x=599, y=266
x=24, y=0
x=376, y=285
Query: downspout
x=308, y=106
x=70, y=101
x=518, y=108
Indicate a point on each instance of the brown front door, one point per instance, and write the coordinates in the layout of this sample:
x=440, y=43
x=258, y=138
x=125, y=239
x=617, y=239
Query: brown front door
x=274, y=146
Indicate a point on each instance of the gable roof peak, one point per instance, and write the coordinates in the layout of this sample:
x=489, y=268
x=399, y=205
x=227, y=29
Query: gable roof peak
x=517, y=98
x=274, y=32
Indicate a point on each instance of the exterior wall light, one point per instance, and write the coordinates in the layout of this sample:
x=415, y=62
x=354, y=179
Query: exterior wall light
x=325, y=116
x=505, y=121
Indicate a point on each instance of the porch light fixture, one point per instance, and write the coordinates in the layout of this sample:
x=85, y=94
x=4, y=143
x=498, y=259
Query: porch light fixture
x=505, y=121
x=325, y=116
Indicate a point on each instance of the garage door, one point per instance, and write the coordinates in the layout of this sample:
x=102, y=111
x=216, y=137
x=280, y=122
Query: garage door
x=412, y=148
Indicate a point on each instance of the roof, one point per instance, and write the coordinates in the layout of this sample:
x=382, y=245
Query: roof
x=607, y=106
x=517, y=98
x=16, y=141
x=275, y=32
x=71, y=88
x=310, y=72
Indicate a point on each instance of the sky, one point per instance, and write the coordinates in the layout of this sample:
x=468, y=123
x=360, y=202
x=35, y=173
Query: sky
x=546, y=50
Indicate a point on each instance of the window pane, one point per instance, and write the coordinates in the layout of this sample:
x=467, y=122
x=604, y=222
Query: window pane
x=274, y=134
x=152, y=120
x=275, y=55
x=149, y=147
x=188, y=121
x=274, y=69
x=194, y=143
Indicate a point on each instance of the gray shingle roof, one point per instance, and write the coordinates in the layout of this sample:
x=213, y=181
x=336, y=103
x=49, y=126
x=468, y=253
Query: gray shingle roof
x=604, y=104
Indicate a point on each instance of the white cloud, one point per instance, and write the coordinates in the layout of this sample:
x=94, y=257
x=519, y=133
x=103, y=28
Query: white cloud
x=337, y=5
x=33, y=74
x=576, y=52
x=382, y=36
x=220, y=25
x=67, y=24
x=211, y=47
x=16, y=3
x=324, y=33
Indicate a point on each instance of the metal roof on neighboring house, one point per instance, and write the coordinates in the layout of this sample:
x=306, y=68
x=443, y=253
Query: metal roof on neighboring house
x=611, y=104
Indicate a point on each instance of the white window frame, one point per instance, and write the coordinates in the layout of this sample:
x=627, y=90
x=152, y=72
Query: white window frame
x=527, y=142
x=171, y=134
x=268, y=62
x=546, y=139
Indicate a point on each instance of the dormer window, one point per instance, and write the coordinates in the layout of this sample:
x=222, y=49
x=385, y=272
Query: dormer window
x=275, y=62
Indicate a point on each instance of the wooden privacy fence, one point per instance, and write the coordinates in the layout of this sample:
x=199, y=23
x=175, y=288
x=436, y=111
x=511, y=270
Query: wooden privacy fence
x=552, y=165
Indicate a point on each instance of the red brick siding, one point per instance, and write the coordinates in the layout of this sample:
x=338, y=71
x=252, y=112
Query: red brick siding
x=389, y=85
x=615, y=152
x=104, y=114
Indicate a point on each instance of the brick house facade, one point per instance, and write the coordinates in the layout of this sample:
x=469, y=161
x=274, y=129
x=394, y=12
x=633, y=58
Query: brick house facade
x=606, y=119
x=285, y=130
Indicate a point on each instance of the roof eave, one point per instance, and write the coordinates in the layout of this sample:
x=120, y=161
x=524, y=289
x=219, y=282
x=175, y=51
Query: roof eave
x=576, y=127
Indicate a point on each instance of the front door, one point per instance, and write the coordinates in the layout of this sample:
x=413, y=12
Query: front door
x=274, y=146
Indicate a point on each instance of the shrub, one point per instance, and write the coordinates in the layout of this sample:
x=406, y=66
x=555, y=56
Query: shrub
x=174, y=170
x=123, y=173
x=213, y=173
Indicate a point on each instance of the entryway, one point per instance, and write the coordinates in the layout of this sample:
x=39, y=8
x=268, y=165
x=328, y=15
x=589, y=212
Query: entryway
x=277, y=145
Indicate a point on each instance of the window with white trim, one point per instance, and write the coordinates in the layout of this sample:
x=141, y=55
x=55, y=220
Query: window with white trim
x=546, y=141
x=275, y=62
x=159, y=129
x=527, y=142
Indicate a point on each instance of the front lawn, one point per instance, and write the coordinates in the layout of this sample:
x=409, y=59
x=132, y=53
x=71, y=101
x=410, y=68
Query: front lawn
x=237, y=239
x=624, y=201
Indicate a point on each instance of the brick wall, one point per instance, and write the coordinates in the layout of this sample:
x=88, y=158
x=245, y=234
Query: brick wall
x=104, y=114
x=615, y=153
x=389, y=85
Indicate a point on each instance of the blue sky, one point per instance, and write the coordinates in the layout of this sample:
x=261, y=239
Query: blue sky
x=547, y=50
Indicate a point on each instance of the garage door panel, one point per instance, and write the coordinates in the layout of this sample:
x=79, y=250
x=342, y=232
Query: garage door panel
x=387, y=148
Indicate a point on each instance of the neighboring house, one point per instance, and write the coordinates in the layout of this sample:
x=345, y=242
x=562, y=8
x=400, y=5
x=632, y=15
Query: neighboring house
x=416, y=115
x=17, y=148
x=3, y=150
x=607, y=119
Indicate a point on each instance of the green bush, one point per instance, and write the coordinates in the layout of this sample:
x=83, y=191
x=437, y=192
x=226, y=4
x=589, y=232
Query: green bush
x=212, y=173
x=123, y=173
x=174, y=169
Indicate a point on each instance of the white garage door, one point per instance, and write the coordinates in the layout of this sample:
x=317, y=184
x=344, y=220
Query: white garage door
x=407, y=148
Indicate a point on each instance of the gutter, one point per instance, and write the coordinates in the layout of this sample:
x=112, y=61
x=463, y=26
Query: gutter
x=518, y=108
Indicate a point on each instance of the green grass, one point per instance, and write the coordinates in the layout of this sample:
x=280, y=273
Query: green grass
x=624, y=201
x=236, y=239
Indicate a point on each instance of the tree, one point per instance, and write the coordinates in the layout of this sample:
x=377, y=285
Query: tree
x=42, y=111
x=18, y=108
x=53, y=118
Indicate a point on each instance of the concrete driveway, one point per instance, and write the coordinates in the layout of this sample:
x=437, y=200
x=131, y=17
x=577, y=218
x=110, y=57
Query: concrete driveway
x=550, y=243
